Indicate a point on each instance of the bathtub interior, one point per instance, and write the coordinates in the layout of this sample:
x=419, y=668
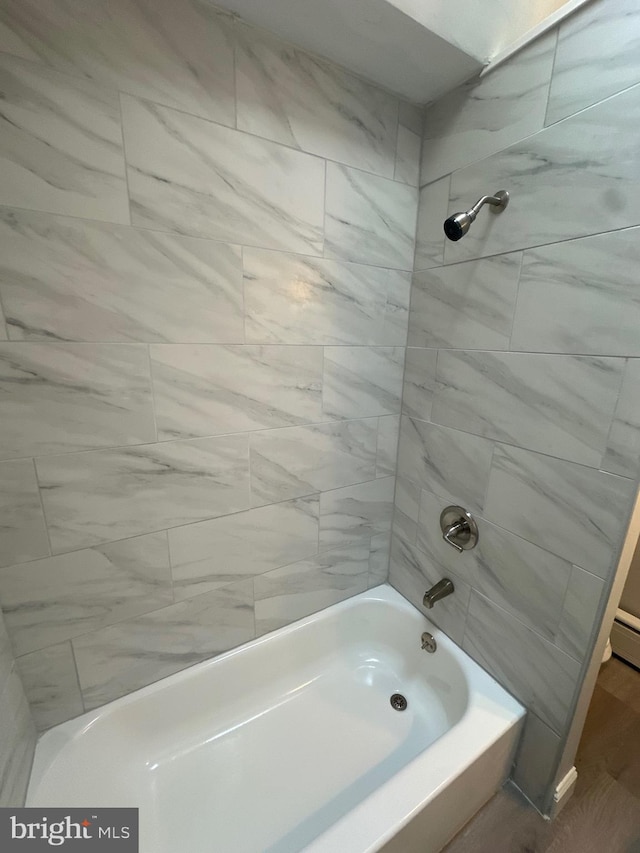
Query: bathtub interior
x=269, y=745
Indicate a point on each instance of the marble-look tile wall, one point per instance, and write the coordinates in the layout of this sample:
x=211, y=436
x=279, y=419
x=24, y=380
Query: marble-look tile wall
x=521, y=393
x=17, y=729
x=206, y=245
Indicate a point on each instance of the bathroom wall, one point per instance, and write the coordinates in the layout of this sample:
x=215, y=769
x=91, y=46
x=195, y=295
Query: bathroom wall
x=17, y=731
x=522, y=388
x=206, y=243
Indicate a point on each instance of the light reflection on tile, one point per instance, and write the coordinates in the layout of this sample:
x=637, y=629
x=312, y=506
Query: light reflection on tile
x=293, y=299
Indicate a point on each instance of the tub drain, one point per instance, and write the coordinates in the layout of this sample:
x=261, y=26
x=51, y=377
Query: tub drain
x=398, y=702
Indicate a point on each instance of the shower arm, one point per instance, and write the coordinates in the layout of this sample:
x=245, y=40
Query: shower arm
x=493, y=200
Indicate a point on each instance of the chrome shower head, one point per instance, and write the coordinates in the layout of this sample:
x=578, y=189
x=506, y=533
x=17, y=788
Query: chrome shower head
x=456, y=226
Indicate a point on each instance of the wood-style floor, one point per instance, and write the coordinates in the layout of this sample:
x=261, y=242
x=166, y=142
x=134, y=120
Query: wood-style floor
x=603, y=816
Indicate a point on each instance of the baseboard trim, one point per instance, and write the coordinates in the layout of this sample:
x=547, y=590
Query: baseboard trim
x=626, y=643
x=563, y=792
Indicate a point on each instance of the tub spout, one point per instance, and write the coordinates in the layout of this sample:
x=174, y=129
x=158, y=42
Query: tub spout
x=440, y=590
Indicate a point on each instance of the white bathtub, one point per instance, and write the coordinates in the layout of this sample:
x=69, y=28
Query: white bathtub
x=290, y=742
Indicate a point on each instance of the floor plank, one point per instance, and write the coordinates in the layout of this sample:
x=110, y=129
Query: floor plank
x=603, y=816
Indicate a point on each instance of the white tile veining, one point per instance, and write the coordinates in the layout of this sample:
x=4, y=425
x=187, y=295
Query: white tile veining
x=76, y=280
x=91, y=498
x=204, y=390
x=296, y=461
x=23, y=534
x=205, y=180
x=301, y=101
x=57, y=598
x=176, y=54
x=60, y=144
x=369, y=219
x=293, y=299
x=214, y=553
x=62, y=397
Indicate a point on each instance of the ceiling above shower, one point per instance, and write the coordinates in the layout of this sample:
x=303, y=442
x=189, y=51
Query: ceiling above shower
x=419, y=49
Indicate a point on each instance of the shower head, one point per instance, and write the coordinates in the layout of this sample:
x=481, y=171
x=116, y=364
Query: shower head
x=456, y=226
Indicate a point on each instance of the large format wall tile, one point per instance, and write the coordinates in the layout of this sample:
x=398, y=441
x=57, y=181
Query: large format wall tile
x=572, y=511
x=66, y=279
x=538, y=673
x=571, y=179
x=94, y=497
x=580, y=296
x=387, y=445
x=55, y=599
x=295, y=591
x=465, y=305
x=453, y=464
x=17, y=743
x=369, y=220
x=419, y=382
x=362, y=382
x=581, y=607
x=211, y=554
x=131, y=654
x=412, y=573
x=61, y=144
x=520, y=577
x=623, y=445
x=432, y=207
x=292, y=299
x=210, y=390
x=596, y=56
x=379, y=554
x=51, y=684
x=408, y=147
x=537, y=760
x=23, y=535
x=489, y=113
x=175, y=53
x=6, y=653
x=3, y=327
x=63, y=397
x=292, y=97
x=356, y=513
x=557, y=404
x=206, y=180
x=287, y=463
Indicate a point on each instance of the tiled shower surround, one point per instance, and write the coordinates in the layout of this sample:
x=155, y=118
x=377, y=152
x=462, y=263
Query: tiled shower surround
x=522, y=387
x=206, y=244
